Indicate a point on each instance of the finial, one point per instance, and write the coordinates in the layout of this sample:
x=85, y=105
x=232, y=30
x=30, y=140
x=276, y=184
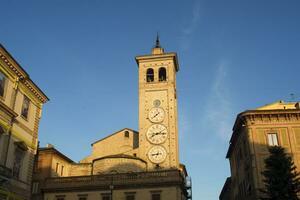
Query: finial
x=157, y=45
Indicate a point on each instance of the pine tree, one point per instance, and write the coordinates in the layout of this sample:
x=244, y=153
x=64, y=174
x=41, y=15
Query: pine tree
x=281, y=179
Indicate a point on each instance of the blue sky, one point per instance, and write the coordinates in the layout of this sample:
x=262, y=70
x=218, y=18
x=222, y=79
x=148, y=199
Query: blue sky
x=234, y=55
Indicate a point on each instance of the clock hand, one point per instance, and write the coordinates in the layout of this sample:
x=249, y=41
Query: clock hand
x=156, y=154
x=158, y=133
x=156, y=114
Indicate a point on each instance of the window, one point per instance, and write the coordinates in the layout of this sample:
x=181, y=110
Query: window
x=56, y=168
x=155, y=196
x=105, y=196
x=17, y=162
x=82, y=196
x=3, y=196
x=126, y=134
x=60, y=197
x=130, y=197
x=62, y=170
x=35, y=187
x=2, y=84
x=162, y=74
x=272, y=139
x=150, y=75
x=25, y=107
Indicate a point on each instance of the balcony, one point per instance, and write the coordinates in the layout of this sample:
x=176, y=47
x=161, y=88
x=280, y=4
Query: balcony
x=5, y=173
x=119, y=181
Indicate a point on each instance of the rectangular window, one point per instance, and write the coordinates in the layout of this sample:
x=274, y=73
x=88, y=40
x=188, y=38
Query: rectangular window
x=105, y=197
x=25, y=107
x=155, y=197
x=130, y=197
x=3, y=196
x=82, y=196
x=17, y=162
x=62, y=170
x=35, y=187
x=272, y=139
x=2, y=84
x=56, y=169
x=126, y=133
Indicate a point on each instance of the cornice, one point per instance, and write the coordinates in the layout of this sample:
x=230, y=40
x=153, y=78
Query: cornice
x=267, y=117
x=158, y=57
x=114, y=134
x=24, y=78
x=52, y=150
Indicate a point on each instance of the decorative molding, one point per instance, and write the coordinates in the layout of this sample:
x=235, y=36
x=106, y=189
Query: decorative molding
x=272, y=117
x=22, y=75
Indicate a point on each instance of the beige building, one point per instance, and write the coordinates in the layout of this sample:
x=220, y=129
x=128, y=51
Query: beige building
x=127, y=164
x=20, y=111
x=253, y=132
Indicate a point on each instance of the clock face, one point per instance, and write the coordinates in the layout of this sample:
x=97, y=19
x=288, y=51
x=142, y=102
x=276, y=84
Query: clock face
x=157, y=154
x=157, y=134
x=156, y=115
x=156, y=103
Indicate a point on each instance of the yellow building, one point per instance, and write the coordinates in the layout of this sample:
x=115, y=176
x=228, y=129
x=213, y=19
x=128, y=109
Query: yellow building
x=20, y=111
x=253, y=132
x=127, y=164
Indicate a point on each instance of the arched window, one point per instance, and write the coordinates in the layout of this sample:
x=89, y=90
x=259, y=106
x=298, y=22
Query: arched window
x=150, y=75
x=162, y=74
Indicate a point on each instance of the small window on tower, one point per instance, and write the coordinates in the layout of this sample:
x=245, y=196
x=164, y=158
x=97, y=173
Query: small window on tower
x=162, y=74
x=150, y=75
x=126, y=133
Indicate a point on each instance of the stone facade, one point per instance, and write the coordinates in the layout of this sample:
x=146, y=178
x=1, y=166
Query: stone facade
x=127, y=164
x=20, y=112
x=253, y=132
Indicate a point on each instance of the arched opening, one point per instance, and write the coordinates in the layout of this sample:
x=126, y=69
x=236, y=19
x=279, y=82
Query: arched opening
x=150, y=75
x=162, y=74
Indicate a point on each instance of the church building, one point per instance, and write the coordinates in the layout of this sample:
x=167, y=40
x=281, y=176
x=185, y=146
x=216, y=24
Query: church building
x=127, y=164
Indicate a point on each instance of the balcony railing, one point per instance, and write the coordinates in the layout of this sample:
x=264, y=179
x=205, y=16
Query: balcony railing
x=139, y=179
x=5, y=173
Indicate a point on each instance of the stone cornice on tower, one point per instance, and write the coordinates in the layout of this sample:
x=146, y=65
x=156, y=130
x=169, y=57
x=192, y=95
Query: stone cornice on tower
x=158, y=57
x=22, y=74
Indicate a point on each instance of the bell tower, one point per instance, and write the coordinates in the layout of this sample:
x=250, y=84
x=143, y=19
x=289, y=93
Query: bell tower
x=158, y=140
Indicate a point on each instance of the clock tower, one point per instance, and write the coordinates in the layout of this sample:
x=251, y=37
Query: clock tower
x=158, y=140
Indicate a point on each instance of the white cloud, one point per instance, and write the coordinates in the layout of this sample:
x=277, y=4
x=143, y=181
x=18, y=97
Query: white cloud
x=191, y=27
x=218, y=112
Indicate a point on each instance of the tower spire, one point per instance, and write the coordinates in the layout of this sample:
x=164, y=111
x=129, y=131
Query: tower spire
x=157, y=43
x=157, y=49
